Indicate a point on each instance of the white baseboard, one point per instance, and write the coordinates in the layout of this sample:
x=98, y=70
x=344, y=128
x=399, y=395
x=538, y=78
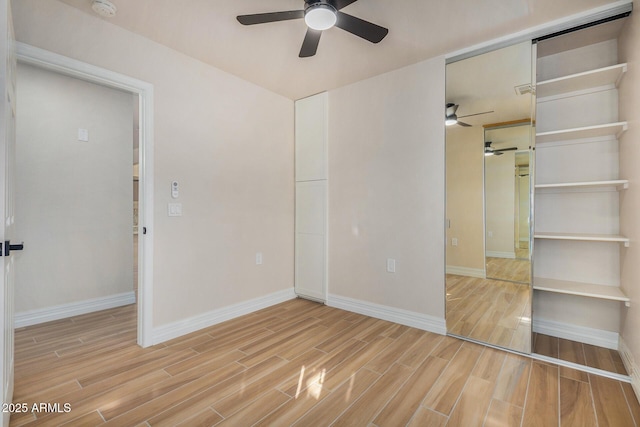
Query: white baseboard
x=606, y=339
x=310, y=294
x=34, y=317
x=204, y=320
x=465, y=271
x=391, y=314
x=631, y=366
x=496, y=254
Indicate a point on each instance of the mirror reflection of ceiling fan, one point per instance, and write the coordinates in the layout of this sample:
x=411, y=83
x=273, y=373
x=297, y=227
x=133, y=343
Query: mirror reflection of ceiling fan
x=451, y=118
x=490, y=151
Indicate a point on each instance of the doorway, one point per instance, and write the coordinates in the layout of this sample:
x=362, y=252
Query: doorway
x=126, y=87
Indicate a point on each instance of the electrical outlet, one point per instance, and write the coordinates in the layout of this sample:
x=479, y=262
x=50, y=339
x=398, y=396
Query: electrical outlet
x=391, y=265
x=83, y=135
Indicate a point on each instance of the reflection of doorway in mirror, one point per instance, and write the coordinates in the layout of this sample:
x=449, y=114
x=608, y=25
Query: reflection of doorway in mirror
x=507, y=202
x=522, y=207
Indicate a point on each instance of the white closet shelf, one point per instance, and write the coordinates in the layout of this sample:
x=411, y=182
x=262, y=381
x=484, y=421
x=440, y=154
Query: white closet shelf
x=583, y=237
x=580, y=81
x=608, y=129
x=621, y=184
x=613, y=293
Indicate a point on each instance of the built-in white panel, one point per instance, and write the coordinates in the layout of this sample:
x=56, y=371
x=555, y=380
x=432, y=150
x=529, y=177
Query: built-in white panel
x=311, y=138
x=311, y=197
x=311, y=265
x=311, y=207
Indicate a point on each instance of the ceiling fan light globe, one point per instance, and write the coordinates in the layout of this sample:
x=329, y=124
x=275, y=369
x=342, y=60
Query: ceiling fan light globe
x=320, y=17
x=451, y=120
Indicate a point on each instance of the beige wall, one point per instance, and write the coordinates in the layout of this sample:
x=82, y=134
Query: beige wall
x=386, y=189
x=629, y=96
x=73, y=199
x=500, y=204
x=465, y=204
x=228, y=142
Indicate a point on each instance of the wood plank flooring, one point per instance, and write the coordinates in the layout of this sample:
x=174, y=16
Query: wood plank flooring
x=297, y=363
x=492, y=311
x=577, y=352
x=514, y=270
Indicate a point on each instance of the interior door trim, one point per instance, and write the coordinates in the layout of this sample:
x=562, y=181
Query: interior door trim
x=71, y=67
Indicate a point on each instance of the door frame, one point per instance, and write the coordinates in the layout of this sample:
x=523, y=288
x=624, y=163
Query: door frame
x=28, y=54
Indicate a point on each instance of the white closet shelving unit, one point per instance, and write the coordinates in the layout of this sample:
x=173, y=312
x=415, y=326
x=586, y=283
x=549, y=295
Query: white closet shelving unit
x=555, y=90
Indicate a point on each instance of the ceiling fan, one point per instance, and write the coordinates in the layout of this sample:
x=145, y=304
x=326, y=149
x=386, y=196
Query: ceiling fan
x=320, y=15
x=451, y=118
x=490, y=151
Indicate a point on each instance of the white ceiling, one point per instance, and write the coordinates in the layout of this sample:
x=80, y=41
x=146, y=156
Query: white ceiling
x=267, y=54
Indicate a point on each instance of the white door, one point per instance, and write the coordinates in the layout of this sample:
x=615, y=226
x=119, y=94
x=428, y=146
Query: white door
x=7, y=157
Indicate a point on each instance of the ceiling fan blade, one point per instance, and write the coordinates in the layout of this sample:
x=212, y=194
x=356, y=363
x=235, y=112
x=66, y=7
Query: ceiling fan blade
x=263, y=18
x=310, y=43
x=339, y=4
x=467, y=125
x=477, y=114
x=364, y=29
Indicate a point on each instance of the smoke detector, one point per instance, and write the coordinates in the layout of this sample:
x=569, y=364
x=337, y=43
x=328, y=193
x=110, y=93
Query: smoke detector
x=104, y=8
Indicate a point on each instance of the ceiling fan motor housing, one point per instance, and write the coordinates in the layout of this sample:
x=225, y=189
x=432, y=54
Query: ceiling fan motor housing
x=315, y=3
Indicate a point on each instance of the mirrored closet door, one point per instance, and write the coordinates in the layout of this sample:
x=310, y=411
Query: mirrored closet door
x=490, y=132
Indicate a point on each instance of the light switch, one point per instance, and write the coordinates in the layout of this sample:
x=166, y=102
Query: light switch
x=83, y=135
x=174, y=189
x=259, y=258
x=174, y=209
x=454, y=241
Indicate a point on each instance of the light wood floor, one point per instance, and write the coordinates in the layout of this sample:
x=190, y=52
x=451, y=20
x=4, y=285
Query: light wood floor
x=298, y=363
x=515, y=270
x=491, y=311
x=577, y=352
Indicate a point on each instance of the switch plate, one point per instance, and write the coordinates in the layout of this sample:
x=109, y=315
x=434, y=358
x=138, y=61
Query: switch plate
x=454, y=241
x=174, y=189
x=258, y=258
x=490, y=233
x=391, y=265
x=83, y=135
x=174, y=209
